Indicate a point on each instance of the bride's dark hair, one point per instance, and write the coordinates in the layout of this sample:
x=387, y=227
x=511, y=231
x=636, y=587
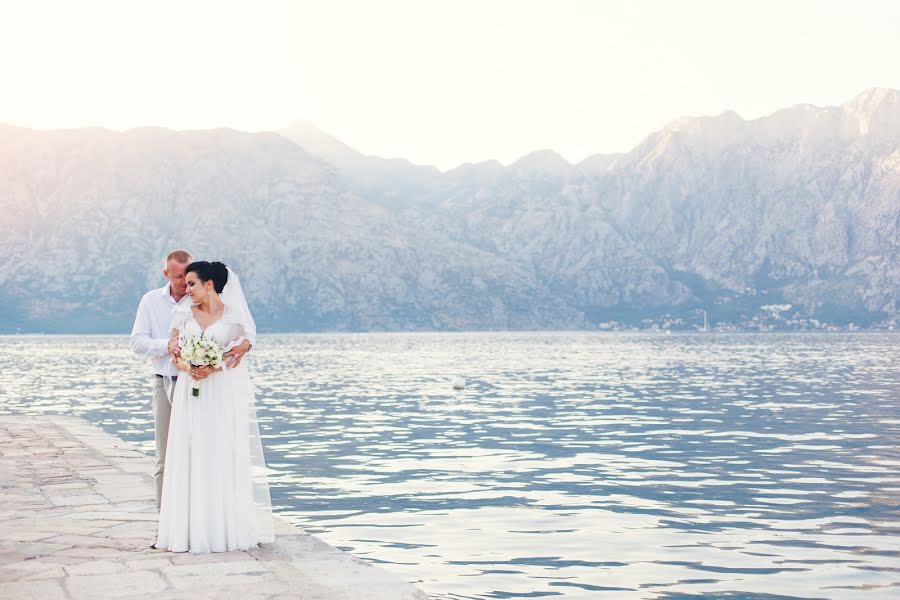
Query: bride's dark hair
x=210, y=270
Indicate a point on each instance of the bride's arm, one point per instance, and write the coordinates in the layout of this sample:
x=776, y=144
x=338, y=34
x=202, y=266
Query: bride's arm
x=179, y=315
x=197, y=373
x=174, y=348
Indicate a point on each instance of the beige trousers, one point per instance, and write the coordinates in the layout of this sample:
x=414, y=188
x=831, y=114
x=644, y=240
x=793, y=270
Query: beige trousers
x=162, y=409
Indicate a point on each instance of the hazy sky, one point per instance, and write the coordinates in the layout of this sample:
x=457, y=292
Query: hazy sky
x=438, y=82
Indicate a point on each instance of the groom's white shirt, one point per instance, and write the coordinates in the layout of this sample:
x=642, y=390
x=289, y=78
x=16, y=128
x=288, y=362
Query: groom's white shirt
x=150, y=334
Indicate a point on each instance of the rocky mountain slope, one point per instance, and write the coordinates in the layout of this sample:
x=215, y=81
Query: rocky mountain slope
x=801, y=207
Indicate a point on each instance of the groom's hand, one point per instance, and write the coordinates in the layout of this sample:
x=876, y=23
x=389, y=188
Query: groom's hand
x=233, y=357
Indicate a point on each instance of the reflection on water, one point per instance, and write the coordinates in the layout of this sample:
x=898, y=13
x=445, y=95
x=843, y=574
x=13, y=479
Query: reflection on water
x=573, y=464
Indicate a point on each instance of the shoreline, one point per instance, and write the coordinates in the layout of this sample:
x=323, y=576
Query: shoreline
x=78, y=514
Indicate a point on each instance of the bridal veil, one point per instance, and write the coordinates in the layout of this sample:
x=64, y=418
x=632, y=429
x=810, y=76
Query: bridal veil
x=233, y=297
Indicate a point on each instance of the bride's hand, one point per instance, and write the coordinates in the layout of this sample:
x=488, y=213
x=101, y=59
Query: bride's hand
x=200, y=373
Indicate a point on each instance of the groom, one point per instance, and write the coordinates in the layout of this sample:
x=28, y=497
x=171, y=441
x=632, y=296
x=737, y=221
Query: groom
x=150, y=338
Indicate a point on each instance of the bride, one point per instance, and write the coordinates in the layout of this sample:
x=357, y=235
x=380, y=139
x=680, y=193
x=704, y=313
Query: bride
x=215, y=495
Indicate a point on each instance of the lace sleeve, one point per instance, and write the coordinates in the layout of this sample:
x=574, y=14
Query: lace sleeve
x=235, y=335
x=180, y=315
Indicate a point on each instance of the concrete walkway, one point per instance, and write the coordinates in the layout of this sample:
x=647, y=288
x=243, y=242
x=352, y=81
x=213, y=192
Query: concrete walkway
x=77, y=516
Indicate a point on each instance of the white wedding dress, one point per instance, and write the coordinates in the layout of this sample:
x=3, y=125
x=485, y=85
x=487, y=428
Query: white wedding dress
x=215, y=495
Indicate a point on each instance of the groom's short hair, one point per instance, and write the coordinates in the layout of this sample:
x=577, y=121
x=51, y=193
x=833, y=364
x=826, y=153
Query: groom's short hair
x=181, y=256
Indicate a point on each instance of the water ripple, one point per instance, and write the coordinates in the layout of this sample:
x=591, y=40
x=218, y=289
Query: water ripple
x=573, y=464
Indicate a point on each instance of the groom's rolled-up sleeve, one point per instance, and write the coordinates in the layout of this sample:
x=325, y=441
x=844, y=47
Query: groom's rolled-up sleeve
x=142, y=341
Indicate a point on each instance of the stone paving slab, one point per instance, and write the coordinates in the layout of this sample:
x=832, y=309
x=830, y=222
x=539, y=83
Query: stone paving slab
x=78, y=515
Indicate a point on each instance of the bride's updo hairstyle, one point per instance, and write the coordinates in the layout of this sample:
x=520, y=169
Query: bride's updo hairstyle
x=210, y=270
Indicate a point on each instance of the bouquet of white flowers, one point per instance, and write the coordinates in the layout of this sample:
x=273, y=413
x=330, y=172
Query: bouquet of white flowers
x=200, y=352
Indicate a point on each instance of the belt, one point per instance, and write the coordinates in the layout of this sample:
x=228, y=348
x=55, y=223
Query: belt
x=174, y=377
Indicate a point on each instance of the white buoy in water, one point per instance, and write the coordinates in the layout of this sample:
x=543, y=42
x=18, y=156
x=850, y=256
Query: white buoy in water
x=458, y=383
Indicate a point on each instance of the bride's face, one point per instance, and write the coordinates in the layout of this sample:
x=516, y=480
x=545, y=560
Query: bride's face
x=196, y=289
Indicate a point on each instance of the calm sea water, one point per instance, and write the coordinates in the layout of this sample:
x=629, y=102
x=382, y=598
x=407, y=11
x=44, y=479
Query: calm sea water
x=573, y=464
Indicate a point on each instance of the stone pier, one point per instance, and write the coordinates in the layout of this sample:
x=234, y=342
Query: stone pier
x=78, y=515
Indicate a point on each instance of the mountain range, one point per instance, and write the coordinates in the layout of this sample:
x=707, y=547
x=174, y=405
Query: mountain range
x=798, y=210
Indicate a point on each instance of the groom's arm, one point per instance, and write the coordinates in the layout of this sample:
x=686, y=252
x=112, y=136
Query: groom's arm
x=142, y=342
